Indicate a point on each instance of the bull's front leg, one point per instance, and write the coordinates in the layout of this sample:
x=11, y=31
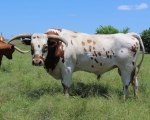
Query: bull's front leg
x=67, y=71
x=65, y=89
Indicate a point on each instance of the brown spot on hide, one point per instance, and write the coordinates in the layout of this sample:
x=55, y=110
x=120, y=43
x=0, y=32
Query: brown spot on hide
x=38, y=37
x=133, y=38
x=95, y=54
x=121, y=51
x=84, y=50
x=83, y=43
x=71, y=42
x=96, y=60
x=34, y=37
x=107, y=54
x=133, y=48
x=51, y=33
x=112, y=52
x=110, y=56
x=104, y=49
x=92, y=66
x=90, y=48
x=136, y=43
x=100, y=64
x=108, y=51
x=38, y=46
x=89, y=41
x=59, y=50
x=94, y=42
x=99, y=53
x=93, y=48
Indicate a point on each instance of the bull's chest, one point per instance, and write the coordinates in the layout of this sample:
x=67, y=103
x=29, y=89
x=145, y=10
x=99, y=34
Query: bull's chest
x=56, y=72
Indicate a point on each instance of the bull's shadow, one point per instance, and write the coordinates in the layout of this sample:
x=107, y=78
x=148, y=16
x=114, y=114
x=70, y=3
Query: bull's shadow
x=76, y=89
x=87, y=90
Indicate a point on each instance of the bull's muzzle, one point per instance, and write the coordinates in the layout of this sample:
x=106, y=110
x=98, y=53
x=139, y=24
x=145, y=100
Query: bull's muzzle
x=37, y=60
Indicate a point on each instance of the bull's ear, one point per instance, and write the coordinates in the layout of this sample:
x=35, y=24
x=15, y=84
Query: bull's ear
x=26, y=42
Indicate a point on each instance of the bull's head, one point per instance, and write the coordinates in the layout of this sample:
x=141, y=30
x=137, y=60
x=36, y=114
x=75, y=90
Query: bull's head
x=39, y=45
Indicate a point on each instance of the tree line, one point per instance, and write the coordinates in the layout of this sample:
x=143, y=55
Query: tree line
x=145, y=34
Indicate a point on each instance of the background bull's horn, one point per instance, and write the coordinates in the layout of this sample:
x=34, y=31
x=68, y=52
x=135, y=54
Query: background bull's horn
x=58, y=37
x=21, y=51
x=26, y=35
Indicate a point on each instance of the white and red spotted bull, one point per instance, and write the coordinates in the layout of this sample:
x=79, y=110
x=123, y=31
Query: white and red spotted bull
x=63, y=52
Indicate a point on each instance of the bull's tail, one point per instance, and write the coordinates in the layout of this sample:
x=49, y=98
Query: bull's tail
x=143, y=50
x=137, y=68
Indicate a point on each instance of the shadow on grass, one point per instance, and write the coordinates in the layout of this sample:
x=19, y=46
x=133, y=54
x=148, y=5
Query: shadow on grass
x=76, y=89
x=88, y=90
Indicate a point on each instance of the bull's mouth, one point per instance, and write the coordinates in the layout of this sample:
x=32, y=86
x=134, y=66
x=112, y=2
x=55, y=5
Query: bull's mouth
x=37, y=62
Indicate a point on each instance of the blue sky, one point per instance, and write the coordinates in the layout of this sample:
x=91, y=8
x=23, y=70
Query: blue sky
x=36, y=16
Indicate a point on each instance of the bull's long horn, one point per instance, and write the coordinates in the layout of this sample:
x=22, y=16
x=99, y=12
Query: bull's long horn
x=25, y=35
x=58, y=37
x=21, y=51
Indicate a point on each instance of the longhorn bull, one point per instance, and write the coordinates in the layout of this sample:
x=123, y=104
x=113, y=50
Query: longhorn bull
x=7, y=49
x=62, y=52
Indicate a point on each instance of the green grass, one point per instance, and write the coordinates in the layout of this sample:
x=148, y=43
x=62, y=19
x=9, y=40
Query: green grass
x=29, y=93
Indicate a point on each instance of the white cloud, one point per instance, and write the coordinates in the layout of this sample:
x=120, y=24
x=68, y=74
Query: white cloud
x=133, y=7
x=141, y=6
x=125, y=7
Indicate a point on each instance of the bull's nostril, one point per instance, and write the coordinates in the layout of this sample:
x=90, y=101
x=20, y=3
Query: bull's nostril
x=40, y=62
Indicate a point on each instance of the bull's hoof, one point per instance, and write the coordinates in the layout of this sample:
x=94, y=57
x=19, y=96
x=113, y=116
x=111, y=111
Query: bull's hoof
x=123, y=98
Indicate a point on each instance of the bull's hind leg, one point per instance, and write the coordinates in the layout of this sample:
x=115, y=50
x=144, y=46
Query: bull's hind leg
x=134, y=81
x=135, y=85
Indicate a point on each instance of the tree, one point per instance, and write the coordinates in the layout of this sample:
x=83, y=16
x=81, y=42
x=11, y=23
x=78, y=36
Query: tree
x=145, y=35
x=110, y=30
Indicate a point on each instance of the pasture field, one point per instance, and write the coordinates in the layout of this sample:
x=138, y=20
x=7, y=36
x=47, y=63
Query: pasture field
x=30, y=93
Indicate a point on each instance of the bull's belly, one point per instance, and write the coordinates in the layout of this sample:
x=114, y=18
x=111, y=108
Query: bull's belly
x=97, y=66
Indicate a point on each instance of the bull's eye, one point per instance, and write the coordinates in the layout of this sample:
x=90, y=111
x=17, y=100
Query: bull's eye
x=45, y=48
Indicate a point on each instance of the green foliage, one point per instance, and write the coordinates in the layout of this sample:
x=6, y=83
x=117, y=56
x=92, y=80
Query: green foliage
x=28, y=93
x=110, y=30
x=145, y=35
